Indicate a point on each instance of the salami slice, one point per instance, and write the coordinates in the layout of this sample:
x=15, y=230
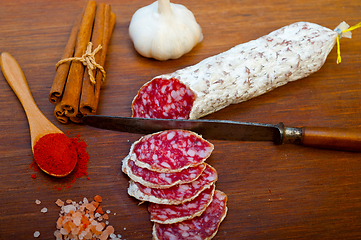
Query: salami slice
x=153, y=179
x=170, y=151
x=168, y=214
x=177, y=194
x=239, y=74
x=203, y=227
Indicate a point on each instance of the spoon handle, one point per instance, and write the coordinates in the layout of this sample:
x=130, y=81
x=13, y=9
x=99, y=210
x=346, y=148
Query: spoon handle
x=17, y=81
x=39, y=124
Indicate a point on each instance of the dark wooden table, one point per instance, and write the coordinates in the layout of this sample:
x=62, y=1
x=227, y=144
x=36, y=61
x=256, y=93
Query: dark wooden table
x=274, y=191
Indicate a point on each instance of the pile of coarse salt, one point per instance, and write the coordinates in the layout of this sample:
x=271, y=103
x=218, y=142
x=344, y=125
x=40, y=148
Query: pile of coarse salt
x=83, y=220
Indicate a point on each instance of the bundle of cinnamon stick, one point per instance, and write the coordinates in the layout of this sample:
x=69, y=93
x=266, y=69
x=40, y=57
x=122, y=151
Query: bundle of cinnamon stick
x=76, y=86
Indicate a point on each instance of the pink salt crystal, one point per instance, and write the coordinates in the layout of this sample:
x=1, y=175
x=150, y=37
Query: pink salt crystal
x=113, y=236
x=88, y=234
x=77, y=221
x=58, y=235
x=82, y=208
x=59, y=222
x=90, y=207
x=82, y=234
x=99, y=227
x=64, y=231
x=110, y=229
x=104, y=235
x=59, y=202
x=69, y=208
x=36, y=234
x=77, y=218
x=75, y=231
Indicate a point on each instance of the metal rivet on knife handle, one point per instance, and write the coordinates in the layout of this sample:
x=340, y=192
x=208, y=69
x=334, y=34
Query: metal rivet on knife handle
x=290, y=134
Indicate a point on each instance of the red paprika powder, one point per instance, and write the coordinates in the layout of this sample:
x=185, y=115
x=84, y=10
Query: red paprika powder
x=56, y=154
x=81, y=168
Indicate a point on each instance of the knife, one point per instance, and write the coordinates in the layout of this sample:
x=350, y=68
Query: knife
x=345, y=139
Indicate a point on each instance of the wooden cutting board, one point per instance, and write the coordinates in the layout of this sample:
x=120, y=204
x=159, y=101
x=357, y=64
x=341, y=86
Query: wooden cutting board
x=274, y=192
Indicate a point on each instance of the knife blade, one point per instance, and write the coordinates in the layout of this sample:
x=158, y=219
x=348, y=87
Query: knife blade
x=321, y=137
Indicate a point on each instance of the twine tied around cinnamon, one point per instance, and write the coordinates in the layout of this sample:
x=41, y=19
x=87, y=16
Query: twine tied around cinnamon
x=88, y=60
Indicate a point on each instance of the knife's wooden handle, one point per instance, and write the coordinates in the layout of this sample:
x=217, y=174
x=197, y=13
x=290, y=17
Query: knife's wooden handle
x=332, y=138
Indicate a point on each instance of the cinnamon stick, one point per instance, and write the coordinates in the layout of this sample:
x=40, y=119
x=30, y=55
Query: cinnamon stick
x=57, y=88
x=102, y=61
x=101, y=20
x=59, y=113
x=90, y=92
x=76, y=119
x=71, y=95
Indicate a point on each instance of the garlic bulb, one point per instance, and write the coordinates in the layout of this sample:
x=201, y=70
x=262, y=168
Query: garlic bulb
x=164, y=30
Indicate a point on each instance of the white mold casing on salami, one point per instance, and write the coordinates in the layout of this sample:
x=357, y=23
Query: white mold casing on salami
x=251, y=69
x=170, y=151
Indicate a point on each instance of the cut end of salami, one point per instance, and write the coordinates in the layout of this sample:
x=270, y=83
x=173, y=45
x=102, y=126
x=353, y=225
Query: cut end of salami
x=170, y=151
x=203, y=227
x=163, y=98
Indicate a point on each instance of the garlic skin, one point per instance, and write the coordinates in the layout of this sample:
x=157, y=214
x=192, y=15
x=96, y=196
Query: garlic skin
x=164, y=30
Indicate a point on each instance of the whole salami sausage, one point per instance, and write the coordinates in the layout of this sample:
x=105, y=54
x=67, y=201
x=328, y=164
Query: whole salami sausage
x=170, y=151
x=241, y=73
x=203, y=227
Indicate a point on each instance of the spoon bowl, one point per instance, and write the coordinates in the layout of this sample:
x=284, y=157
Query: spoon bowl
x=39, y=125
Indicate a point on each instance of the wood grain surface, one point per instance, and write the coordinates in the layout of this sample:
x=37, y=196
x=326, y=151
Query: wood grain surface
x=274, y=192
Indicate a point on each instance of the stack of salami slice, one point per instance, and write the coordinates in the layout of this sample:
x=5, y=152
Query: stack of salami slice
x=168, y=170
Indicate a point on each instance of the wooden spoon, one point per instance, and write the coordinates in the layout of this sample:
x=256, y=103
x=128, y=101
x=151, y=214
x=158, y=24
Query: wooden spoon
x=38, y=123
